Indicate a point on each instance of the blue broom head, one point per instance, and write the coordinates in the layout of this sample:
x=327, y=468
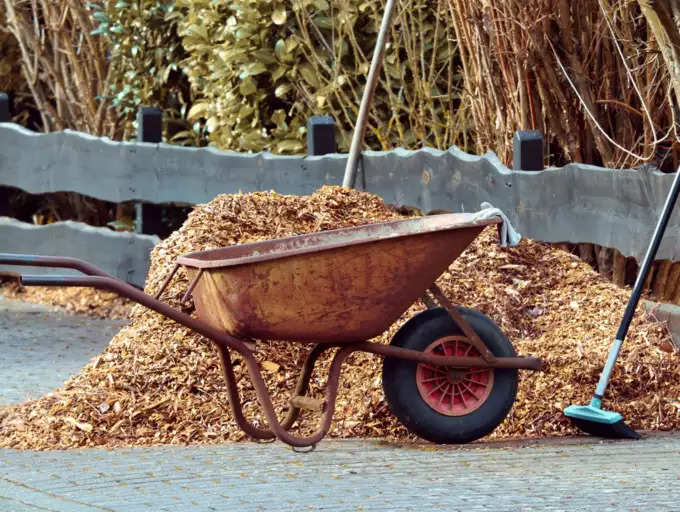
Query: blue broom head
x=592, y=413
x=597, y=422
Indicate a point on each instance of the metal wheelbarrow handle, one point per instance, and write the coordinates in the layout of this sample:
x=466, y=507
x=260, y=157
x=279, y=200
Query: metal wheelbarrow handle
x=97, y=278
x=31, y=260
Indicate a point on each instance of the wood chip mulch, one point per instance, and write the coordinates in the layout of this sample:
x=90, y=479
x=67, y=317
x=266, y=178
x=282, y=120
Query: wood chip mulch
x=157, y=382
x=76, y=300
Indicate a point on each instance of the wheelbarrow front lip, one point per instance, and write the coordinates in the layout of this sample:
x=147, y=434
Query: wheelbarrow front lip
x=332, y=239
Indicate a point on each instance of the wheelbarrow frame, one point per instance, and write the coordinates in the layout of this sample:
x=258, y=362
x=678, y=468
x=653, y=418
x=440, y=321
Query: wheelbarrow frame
x=97, y=278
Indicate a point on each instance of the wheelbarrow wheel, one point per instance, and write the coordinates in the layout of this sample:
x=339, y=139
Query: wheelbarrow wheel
x=449, y=405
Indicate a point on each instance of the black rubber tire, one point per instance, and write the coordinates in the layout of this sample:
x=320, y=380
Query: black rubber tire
x=403, y=397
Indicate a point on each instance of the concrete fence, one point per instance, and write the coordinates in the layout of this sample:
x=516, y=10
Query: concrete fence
x=576, y=203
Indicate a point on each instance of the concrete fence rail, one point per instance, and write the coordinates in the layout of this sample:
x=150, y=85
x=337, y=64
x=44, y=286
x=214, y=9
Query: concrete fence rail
x=124, y=255
x=576, y=203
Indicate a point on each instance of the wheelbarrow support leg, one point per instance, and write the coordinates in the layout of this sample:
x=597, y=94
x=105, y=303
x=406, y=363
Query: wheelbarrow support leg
x=234, y=400
x=268, y=408
x=303, y=381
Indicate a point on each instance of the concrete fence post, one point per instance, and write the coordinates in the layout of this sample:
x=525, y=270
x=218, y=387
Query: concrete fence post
x=320, y=135
x=4, y=201
x=149, y=125
x=5, y=114
x=148, y=216
x=528, y=150
x=4, y=118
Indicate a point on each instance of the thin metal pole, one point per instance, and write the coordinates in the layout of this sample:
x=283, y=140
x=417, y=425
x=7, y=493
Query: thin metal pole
x=639, y=285
x=367, y=98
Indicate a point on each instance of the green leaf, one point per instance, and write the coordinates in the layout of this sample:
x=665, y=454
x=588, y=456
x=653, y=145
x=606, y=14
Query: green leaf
x=166, y=73
x=244, y=33
x=323, y=22
x=245, y=111
x=211, y=124
x=282, y=90
x=309, y=75
x=247, y=86
x=279, y=16
x=278, y=73
x=101, y=29
x=289, y=146
x=280, y=49
x=279, y=117
x=198, y=110
x=198, y=31
x=253, y=69
x=125, y=224
x=264, y=55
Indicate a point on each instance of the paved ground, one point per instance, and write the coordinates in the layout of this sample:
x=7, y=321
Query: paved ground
x=348, y=475
x=578, y=474
x=41, y=347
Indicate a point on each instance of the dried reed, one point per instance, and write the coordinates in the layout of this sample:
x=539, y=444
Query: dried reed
x=565, y=67
x=65, y=66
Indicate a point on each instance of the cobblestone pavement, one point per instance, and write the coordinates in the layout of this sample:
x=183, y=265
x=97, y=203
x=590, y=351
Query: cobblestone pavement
x=575, y=474
x=41, y=347
x=348, y=475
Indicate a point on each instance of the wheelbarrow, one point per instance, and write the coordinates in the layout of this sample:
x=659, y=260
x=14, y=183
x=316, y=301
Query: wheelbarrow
x=449, y=374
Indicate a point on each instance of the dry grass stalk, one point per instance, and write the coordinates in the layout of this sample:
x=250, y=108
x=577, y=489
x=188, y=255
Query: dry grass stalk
x=672, y=284
x=619, y=269
x=663, y=17
x=514, y=81
x=513, y=53
x=422, y=114
x=65, y=66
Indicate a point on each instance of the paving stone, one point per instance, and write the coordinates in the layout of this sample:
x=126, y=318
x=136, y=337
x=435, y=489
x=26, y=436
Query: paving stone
x=41, y=347
x=45, y=346
x=349, y=475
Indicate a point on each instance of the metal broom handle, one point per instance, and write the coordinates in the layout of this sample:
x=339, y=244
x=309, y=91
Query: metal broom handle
x=367, y=98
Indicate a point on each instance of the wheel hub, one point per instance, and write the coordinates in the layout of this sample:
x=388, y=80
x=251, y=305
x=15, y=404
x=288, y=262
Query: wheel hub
x=453, y=391
x=456, y=375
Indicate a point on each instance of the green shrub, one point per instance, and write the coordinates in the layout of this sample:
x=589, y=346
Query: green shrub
x=145, y=52
x=260, y=68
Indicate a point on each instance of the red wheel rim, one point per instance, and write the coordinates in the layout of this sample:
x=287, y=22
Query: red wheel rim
x=453, y=391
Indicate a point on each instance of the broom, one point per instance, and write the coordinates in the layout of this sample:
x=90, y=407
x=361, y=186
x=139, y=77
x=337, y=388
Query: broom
x=591, y=418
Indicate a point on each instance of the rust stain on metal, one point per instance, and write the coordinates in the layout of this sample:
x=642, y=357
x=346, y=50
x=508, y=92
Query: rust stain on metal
x=308, y=403
x=335, y=286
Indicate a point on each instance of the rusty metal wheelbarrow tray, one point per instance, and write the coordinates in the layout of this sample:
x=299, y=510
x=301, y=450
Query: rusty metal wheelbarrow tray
x=336, y=289
x=337, y=286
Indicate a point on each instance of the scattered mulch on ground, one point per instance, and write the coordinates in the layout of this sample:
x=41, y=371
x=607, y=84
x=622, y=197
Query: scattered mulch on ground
x=157, y=382
x=76, y=300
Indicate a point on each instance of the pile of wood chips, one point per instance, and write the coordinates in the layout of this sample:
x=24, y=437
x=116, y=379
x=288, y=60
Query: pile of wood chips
x=76, y=299
x=157, y=382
